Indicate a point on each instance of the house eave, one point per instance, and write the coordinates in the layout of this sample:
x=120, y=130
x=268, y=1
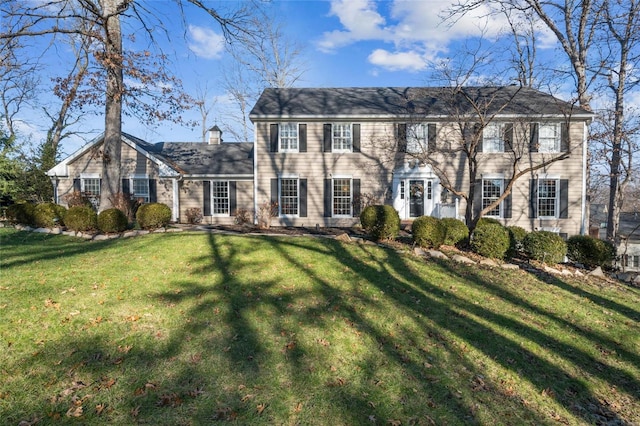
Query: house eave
x=401, y=117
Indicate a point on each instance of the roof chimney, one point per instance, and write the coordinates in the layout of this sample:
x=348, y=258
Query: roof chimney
x=215, y=135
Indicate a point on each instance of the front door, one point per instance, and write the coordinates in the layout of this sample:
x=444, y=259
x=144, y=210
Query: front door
x=416, y=198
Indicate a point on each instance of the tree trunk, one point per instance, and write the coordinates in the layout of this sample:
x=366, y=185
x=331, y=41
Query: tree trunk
x=111, y=179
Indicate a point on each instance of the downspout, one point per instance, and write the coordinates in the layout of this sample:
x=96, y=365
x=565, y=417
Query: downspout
x=176, y=198
x=583, y=222
x=255, y=173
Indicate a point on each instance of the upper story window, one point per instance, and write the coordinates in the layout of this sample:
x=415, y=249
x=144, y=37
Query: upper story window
x=549, y=137
x=493, y=138
x=288, y=137
x=341, y=140
x=417, y=138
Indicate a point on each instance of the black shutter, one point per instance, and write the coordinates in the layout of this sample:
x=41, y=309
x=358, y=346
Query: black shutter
x=533, y=198
x=125, y=186
x=274, y=192
x=273, y=141
x=303, y=198
x=507, y=202
x=77, y=185
x=326, y=145
x=431, y=137
x=153, y=191
x=564, y=138
x=477, y=198
x=356, y=137
x=206, y=197
x=302, y=137
x=533, y=141
x=357, y=204
x=327, y=198
x=477, y=130
x=402, y=137
x=508, y=137
x=233, y=200
x=564, y=198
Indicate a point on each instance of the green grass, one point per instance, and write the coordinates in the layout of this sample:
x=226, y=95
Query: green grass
x=197, y=328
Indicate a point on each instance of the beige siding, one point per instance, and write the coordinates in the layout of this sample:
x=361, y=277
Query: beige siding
x=377, y=159
x=192, y=196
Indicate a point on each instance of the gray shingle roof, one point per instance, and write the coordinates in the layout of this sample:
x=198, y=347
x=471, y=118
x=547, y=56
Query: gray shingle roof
x=385, y=101
x=197, y=158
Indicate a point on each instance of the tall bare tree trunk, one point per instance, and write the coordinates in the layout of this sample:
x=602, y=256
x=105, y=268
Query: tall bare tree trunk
x=111, y=174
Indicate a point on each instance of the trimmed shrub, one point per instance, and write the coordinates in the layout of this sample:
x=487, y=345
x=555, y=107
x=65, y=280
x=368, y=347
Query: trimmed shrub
x=490, y=239
x=126, y=204
x=590, y=251
x=153, y=215
x=112, y=220
x=22, y=213
x=81, y=219
x=516, y=235
x=485, y=220
x=428, y=231
x=455, y=231
x=381, y=222
x=49, y=215
x=545, y=246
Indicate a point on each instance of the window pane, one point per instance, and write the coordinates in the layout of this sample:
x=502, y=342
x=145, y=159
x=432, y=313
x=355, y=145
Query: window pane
x=288, y=196
x=549, y=138
x=491, y=191
x=341, y=137
x=288, y=137
x=416, y=138
x=492, y=140
x=547, y=197
x=220, y=197
x=342, y=197
x=141, y=189
x=92, y=186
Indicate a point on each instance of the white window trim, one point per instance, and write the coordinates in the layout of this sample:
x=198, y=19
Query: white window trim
x=350, y=177
x=333, y=142
x=297, y=126
x=288, y=176
x=499, y=177
x=501, y=141
x=228, y=213
x=421, y=144
x=139, y=176
x=85, y=176
x=557, y=199
x=558, y=138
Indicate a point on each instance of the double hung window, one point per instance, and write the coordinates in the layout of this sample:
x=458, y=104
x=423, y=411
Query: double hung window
x=288, y=137
x=342, y=197
x=491, y=191
x=342, y=137
x=289, y=196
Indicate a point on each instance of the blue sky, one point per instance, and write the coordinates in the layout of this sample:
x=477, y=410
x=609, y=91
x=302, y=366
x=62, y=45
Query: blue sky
x=344, y=43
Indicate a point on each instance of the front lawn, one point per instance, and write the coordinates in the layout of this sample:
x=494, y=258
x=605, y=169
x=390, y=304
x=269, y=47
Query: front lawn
x=197, y=328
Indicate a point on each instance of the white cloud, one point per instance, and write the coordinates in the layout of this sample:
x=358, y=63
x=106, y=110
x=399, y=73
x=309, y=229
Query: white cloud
x=205, y=42
x=407, y=61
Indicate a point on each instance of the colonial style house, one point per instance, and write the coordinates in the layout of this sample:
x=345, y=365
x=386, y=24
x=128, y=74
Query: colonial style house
x=322, y=153
x=215, y=177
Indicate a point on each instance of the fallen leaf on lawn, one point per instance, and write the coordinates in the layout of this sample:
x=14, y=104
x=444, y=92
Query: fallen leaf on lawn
x=298, y=407
x=323, y=342
x=135, y=411
x=336, y=383
x=247, y=397
x=169, y=400
x=75, y=411
x=124, y=349
x=49, y=303
x=100, y=408
x=394, y=422
x=133, y=318
x=372, y=418
x=196, y=392
x=196, y=358
x=260, y=408
x=108, y=382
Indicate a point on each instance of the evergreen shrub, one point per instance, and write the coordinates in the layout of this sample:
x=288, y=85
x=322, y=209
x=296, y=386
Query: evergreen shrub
x=153, y=215
x=428, y=232
x=81, y=219
x=490, y=239
x=112, y=220
x=49, y=215
x=590, y=251
x=545, y=246
x=381, y=222
x=455, y=231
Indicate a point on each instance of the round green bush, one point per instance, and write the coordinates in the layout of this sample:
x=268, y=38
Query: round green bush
x=153, y=215
x=112, y=220
x=455, y=231
x=485, y=220
x=590, y=251
x=545, y=246
x=81, y=219
x=428, y=231
x=516, y=236
x=381, y=222
x=49, y=215
x=22, y=213
x=490, y=239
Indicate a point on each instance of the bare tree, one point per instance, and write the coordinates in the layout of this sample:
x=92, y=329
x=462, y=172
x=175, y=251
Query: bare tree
x=205, y=103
